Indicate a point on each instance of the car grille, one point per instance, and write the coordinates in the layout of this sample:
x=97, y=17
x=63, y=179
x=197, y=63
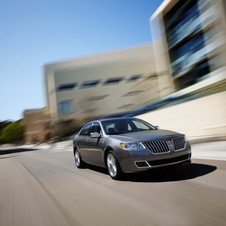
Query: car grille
x=168, y=161
x=179, y=143
x=157, y=147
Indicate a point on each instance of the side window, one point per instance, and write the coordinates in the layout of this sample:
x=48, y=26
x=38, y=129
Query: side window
x=95, y=128
x=129, y=127
x=86, y=130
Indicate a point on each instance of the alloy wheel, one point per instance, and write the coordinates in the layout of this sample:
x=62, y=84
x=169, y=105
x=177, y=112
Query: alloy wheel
x=77, y=159
x=112, y=165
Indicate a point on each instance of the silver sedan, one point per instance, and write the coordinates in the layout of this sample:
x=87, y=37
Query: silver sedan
x=124, y=145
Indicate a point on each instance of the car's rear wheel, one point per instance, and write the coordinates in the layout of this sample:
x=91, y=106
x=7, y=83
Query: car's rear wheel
x=78, y=160
x=113, y=166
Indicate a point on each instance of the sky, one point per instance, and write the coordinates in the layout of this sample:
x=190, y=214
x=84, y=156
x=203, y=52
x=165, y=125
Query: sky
x=34, y=33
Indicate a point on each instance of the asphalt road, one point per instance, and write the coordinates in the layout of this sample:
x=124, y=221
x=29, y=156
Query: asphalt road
x=44, y=188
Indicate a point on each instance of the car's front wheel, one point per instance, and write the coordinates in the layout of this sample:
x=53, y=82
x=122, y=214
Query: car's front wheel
x=78, y=160
x=113, y=166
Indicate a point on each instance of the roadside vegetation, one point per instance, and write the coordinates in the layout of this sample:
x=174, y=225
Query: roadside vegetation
x=11, y=132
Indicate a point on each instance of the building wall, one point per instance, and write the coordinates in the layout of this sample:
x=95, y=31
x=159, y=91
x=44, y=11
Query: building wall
x=37, y=125
x=205, y=116
x=198, y=118
x=194, y=50
x=138, y=83
x=78, y=88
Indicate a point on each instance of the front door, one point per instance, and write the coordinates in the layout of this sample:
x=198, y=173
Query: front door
x=95, y=145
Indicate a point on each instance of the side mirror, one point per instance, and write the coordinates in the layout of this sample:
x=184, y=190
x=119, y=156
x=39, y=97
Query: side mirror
x=157, y=127
x=95, y=135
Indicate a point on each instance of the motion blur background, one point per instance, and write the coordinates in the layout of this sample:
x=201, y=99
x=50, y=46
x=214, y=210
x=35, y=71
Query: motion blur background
x=178, y=81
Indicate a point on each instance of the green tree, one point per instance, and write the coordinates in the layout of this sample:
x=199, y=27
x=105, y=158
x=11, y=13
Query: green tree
x=12, y=133
x=3, y=124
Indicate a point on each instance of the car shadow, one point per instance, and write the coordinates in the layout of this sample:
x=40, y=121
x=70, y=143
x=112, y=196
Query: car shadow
x=15, y=150
x=185, y=171
x=97, y=168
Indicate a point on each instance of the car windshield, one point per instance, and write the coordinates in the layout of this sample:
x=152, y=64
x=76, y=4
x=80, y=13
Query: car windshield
x=120, y=126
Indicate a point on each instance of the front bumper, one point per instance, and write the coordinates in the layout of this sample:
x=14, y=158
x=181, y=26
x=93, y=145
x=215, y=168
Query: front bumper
x=142, y=160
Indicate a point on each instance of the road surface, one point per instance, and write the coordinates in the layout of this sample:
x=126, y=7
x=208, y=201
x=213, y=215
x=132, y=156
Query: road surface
x=44, y=188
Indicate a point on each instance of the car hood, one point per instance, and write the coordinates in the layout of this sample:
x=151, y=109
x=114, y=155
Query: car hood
x=148, y=135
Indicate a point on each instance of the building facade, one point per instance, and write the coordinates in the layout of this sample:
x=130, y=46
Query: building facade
x=191, y=40
x=100, y=85
x=37, y=125
x=187, y=56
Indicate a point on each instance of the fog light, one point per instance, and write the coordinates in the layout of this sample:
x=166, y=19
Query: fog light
x=141, y=164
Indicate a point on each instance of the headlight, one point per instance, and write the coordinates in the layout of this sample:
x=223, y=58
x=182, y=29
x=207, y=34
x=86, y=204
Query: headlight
x=132, y=146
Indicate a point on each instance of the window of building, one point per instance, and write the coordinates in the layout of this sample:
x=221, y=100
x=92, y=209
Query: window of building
x=97, y=98
x=90, y=84
x=133, y=93
x=194, y=75
x=188, y=53
x=125, y=106
x=66, y=107
x=68, y=86
x=179, y=11
x=113, y=81
x=183, y=23
x=134, y=78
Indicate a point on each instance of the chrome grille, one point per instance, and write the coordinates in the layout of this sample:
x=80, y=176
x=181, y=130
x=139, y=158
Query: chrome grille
x=157, y=146
x=179, y=143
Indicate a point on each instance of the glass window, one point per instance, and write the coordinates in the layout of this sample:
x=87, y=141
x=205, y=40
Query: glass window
x=113, y=81
x=141, y=125
x=89, y=84
x=97, y=98
x=64, y=87
x=65, y=107
x=125, y=106
x=188, y=53
x=134, y=78
x=194, y=75
x=182, y=24
x=133, y=93
x=109, y=127
x=95, y=128
x=119, y=126
x=86, y=130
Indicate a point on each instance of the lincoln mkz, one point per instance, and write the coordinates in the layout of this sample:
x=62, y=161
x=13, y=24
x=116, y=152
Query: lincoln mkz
x=125, y=145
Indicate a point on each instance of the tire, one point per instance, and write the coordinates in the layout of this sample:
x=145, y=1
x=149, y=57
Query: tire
x=113, y=166
x=78, y=160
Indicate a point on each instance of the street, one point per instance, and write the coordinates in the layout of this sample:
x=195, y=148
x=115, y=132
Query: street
x=41, y=187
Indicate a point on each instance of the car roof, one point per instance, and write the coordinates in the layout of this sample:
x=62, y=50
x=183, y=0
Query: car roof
x=108, y=119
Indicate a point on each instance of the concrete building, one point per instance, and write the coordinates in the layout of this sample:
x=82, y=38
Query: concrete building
x=187, y=56
x=191, y=46
x=37, y=125
x=191, y=41
x=186, y=59
x=104, y=84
